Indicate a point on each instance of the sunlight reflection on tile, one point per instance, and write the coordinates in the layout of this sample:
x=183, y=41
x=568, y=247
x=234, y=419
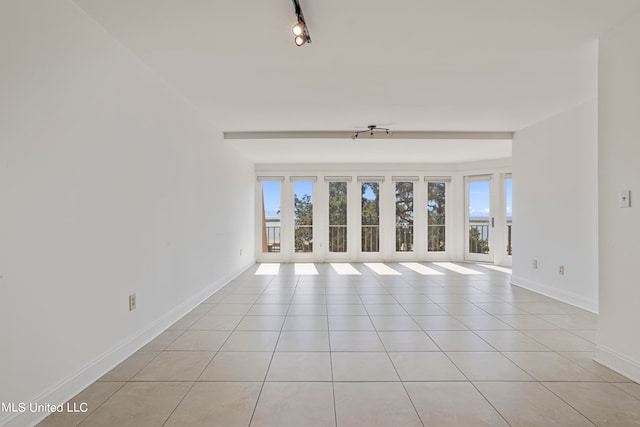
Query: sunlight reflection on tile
x=344, y=268
x=419, y=268
x=497, y=268
x=457, y=268
x=382, y=269
x=269, y=269
x=305, y=269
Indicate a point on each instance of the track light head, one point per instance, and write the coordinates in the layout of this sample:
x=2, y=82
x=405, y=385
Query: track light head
x=300, y=40
x=300, y=30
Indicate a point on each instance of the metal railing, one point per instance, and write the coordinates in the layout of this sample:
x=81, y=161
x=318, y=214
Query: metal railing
x=370, y=238
x=404, y=237
x=273, y=239
x=337, y=238
x=436, y=238
x=303, y=235
x=479, y=237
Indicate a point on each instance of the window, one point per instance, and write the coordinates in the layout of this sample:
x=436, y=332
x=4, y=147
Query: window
x=271, y=191
x=303, y=216
x=404, y=216
x=370, y=217
x=337, y=216
x=436, y=216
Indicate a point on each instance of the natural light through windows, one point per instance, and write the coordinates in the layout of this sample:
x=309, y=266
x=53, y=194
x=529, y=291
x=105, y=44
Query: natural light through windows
x=268, y=269
x=382, y=269
x=419, y=268
x=344, y=268
x=305, y=269
x=457, y=268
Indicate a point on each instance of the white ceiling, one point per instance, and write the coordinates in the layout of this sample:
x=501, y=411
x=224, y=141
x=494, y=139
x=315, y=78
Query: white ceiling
x=411, y=65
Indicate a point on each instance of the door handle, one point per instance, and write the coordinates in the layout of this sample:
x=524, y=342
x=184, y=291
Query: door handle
x=493, y=222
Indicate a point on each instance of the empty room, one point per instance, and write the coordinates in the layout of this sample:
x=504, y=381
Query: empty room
x=319, y=213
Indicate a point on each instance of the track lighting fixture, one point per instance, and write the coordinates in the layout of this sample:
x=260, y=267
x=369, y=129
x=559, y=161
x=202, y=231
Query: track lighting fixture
x=372, y=130
x=300, y=30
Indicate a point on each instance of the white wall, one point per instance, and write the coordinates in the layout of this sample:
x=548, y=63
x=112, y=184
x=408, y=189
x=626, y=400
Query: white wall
x=555, y=206
x=618, y=340
x=110, y=184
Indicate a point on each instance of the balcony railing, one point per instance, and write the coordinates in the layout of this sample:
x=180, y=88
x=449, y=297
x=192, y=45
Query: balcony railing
x=404, y=237
x=273, y=239
x=303, y=238
x=436, y=236
x=370, y=238
x=337, y=238
x=479, y=237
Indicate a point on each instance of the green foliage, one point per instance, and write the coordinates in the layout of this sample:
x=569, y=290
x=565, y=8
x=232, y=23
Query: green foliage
x=404, y=216
x=303, y=214
x=337, y=203
x=370, y=207
x=436, y=216
x=404, y=203
x=436, y=203
x=303, y=210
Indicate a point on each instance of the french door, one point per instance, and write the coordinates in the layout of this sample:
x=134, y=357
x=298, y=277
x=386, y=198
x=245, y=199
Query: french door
x=479, y=221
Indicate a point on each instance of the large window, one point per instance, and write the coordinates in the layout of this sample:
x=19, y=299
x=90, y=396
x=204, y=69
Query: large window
x=337, y=216
x=436, y=216
x=404, y=216
x=370, y=197
x=303, y=215
x=271, y=191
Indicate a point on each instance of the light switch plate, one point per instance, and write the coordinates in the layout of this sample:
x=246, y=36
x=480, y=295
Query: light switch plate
x=624, y=200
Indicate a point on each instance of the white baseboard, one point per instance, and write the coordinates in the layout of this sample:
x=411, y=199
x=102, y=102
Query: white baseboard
x=555, y=293
x=91, y=372
x=618, y=362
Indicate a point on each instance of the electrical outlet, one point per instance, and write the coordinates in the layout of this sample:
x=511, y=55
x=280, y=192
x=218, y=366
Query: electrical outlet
x=561, y=270
x=534, y=264
x=132, y=302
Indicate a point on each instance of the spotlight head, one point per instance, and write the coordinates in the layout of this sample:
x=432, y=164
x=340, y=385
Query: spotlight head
x=300, y=40
x=298, y=29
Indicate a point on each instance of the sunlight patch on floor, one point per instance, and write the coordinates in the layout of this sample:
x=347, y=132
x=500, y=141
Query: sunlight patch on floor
x=268, y=269
x=419, y=268
x=497, y=268
x=381, y=269
x=305, y=269
x=457, y=268
x=344, y=268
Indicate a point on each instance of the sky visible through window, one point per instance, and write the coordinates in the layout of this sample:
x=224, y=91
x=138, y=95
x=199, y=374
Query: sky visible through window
x=479, y=199
x=271, y=194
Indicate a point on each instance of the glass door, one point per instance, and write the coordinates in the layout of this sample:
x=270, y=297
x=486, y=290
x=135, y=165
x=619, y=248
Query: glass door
x=339, y=243
x=271, y=192
x=302, y=217
x=509, y=213
x=479, y=220
x=370, y=218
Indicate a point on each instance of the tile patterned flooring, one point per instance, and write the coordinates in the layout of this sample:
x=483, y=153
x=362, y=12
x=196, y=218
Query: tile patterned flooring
x=367, y=350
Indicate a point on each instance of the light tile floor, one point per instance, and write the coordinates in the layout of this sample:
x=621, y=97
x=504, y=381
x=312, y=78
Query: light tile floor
x=367, y=350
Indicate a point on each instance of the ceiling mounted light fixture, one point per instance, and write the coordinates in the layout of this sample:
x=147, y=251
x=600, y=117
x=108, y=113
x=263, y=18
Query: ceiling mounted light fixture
x=300, y=30
x=372, y=130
